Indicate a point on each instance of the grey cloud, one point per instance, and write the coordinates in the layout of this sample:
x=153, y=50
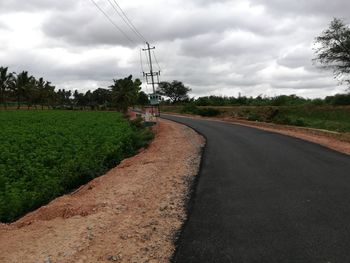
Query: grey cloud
x=34, y=5
x=338, y=8
x=91, y=27
x=299, y=57
x=3, y=26
x=101, y=70
x=83, y=30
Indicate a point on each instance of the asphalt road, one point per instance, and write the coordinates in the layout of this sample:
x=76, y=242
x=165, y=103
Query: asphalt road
x=266, y=197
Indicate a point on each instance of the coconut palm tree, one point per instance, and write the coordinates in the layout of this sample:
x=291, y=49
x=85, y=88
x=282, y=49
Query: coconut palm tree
x=5, y=82
x=20, y=86
x=49, y=94
x=125, y=92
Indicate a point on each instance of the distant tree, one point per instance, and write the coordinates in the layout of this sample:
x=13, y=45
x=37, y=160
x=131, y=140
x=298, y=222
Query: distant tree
x=176, y=91
x=79, y=99
x=19, y=85
x=5, y=83
x=88, y=99
x=49, y=94
x=63, y=97
x=142, y=99
x=40, y=93
x=31, y=92
x=102, y=97
x=333, y=49
x=125, y=92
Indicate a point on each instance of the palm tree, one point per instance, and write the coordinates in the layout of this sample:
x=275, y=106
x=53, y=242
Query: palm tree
x=125, y=92
x=5, y=82
x=20, y=84
x=40, y=98
x=49, y=94
x=31, y=92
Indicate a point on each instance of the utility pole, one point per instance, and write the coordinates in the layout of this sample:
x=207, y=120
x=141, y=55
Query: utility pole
x=151, y=73
x=150, y=65
x=154, y=79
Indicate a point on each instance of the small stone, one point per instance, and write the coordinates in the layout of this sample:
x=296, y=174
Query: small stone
x=47, y=260
x=163, y=208
x=115, y=258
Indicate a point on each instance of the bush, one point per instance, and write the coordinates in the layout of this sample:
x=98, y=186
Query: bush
x=208, y=112
x=341, y=99
x=190, y=108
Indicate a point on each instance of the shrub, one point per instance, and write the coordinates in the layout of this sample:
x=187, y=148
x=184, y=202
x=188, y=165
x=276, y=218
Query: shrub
x=208, y=112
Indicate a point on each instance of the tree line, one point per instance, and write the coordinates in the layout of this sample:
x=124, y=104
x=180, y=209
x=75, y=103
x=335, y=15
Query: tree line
x=22, y=89
x=282, y=100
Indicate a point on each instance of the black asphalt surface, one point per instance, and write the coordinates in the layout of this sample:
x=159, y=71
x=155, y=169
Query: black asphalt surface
x=266, y=197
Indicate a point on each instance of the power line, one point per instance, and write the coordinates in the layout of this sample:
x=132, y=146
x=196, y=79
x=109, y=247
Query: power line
x=141, y=62
x=131, y=24
x=112, y=22
x=147, y=59
x=154, y=55
x=124, y=19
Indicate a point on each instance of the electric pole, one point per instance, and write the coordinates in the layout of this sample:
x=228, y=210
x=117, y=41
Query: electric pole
x=151, y=73
x=154, y=97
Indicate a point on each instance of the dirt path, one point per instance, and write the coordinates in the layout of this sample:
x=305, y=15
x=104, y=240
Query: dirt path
x=131, y=214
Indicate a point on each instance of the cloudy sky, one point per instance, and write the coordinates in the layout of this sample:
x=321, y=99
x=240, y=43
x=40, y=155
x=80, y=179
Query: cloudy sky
x=221, y=47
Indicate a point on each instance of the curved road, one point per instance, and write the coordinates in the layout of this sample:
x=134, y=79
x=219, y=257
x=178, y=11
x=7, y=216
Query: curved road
x=266, y=197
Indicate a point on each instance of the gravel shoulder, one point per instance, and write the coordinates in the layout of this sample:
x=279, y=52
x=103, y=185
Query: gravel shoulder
x=130, y=214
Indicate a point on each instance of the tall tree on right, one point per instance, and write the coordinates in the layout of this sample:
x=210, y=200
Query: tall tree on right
x=176, y=91
x=333, y=50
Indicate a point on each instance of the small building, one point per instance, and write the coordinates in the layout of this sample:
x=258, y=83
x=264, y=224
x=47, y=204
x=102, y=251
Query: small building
x=155, y=99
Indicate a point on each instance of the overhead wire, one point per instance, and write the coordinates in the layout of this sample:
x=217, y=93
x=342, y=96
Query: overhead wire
x=130, y=23
x=155, y=58
x=117, y=8
x=133, y=29
x=112, y=22
x=141, y=62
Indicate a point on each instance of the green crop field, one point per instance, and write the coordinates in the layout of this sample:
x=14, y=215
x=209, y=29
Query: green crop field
x=44, y=154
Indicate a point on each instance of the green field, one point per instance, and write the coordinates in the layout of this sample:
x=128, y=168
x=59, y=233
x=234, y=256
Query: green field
x=44, y=154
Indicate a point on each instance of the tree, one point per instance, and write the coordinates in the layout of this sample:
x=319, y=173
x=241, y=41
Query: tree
x=125, y=92
x=19, y=85
x=142, y=99
x=49, y=94
x=333, y=49
x=5, y=82
x=176, y=91
x=40, y=87
x=102, y=97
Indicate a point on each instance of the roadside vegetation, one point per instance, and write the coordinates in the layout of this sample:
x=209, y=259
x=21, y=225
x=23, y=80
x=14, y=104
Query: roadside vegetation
x=321, y=114
x=44, y=154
